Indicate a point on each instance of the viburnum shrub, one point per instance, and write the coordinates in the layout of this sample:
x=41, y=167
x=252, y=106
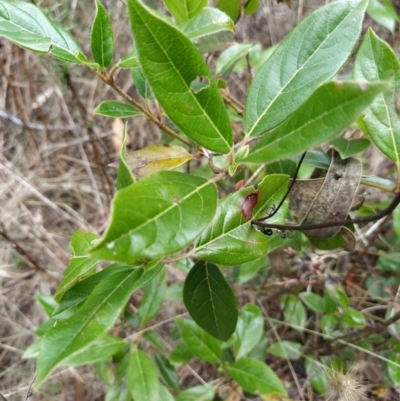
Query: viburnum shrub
x=214, y=204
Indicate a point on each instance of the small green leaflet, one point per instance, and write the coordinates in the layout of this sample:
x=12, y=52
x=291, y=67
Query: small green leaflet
x=115, y=109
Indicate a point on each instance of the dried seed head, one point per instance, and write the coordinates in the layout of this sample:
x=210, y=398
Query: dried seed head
x=346, y=384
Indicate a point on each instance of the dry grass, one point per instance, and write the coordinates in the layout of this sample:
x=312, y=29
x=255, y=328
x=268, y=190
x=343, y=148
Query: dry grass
x=54, y=179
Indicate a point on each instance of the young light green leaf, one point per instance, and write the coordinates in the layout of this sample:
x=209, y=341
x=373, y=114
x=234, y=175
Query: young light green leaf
x=228, y=58
x=209, y=22
x=124, y=175
x=114, y=109
x=348, y=148
x=230, y=238
x=78, y=294
x=286, y=349
x=164, y=394
x=299, y=66
x=171, y=63
x=383, y=13
x=152, y=299
x=91, y=321
x=210, y=300
x=313, y=301
x=255, y=377
x=197, y=393
x=294, y=311
x=230, y=7
x=184, y=10
x=102, y=38
x=152, y=159
x=142, y=377
x=80, y=265
x=117, y=393
x=27, y=26
x=129, y=60
x=328, y=111
x=167, y=372
x=353, y=317
x=376, y=61
x=249, y=330
x=204, y=346
x=101, y=349
x=170, y=210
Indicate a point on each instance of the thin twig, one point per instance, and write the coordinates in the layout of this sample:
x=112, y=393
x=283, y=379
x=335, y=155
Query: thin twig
x=29, y=392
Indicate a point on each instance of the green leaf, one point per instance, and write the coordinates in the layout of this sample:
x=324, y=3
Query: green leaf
x=313, y=301
x=255, y=377
x=171, y=63
x=48, y=303
x=117, y=394
x=141, y=83
x=114, y=109
x=181, y=354
x=80, y=265
x=396, y=220
x=204, y=346
x=129, y=60
x=197, y=393
x=210, y=300
x=328, y=111
x=353, y=318
x=286, y=349
x=184, y=10
x=376, y=61
x=230, y=7
x=348, y=148
x=164, y=394
x=338, y=295
x=152, y=299
x=209, y=22
x=124, y=175
x=294, y=311
x=167, y=372
x=91, y=321
x=394, y=369
x=27, y=26
x=228, y=58
x=249, y=330
x=142, y=377
x=249, y=269
x=311, y=54
x=154, y=339
x=102, y=38
x=384, y=14
x=170, y=210
x=230, y=239
x=76, y=295
x=101, y=349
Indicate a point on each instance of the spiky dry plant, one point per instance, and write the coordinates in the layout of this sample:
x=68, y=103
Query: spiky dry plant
x=346, y=384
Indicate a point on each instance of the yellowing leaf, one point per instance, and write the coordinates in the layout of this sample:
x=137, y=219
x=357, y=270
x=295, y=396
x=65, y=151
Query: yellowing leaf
x=155, y=158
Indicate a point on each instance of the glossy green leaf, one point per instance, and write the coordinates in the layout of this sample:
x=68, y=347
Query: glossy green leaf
x=114, y=109
x=394, y=369
x=102, y=38
x=327, y=112
x=383, y=13
x=27, y=26
x=376, y=61
x=230, y=7
x=91, y=321
x=313, y=301
x=249, y=329
x=299, y=66
x=76, y=295
x=210, y=300
x=167, y=372
x=184, y=10
x=228, y=59
x=286, y=350
x=124, y=174
x=142, y=377
x=209, y=22
x=256, y=377
x=130, y=60
x=348, y=148
x=80, y=265
x=353, y=318
x=230, y=239
x=169, y=210
x=197, y=393
x=152, y=299
x=293, y=311
x=204, y=346
x=171, y=63
x=101, y=349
